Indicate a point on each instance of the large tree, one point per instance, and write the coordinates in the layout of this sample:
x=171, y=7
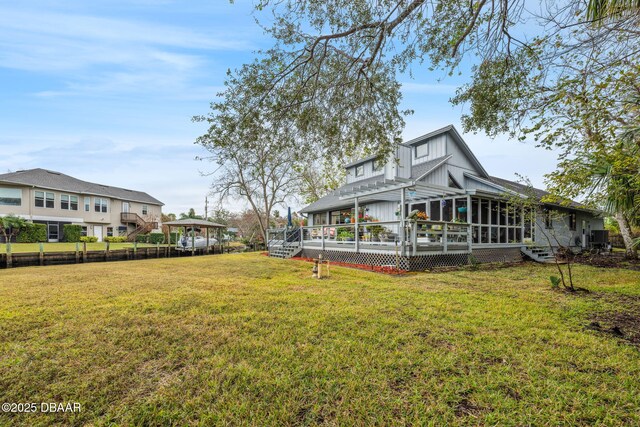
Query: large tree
x=331, y=77
x=332, y=74
x=255, y=162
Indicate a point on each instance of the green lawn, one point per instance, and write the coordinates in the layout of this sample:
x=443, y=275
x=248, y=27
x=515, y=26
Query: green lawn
x=247, y=340
x=62, y=247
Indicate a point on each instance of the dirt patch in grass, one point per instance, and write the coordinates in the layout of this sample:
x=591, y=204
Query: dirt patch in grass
x=623, y=322
x=610, y=260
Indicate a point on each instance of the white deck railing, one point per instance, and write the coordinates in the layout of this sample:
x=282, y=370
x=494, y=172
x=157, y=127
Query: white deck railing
x=412, y=238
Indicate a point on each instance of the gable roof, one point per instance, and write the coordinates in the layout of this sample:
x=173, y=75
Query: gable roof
x=451, y=130
x=52, y=180
x=421, y=170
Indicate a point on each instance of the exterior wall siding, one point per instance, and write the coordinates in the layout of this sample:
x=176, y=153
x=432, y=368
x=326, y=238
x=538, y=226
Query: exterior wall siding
x=438, y=176
x=383, y=211
x=91, y=219
x=368, y=172
x=560, y=229
x=437, y=148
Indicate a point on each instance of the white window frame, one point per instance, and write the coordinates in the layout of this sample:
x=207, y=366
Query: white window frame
x=103, y=203
x=8, y=195
x=361, y=169
x=145, y=209
x=87, y=204
x=426, y=148
x=44, y=199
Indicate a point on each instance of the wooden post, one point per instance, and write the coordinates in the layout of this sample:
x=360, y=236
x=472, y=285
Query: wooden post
x=193, y=241
x=135, y=249
x=9, y=256
x=84, y=252
x=41, y=254
x=322, y=229
x=77, y=252
x=414, y=238
x=157, y=249
x=357, y=228
x=403, y=247
x=169, y=243
x=106, y=251
x=445, y=237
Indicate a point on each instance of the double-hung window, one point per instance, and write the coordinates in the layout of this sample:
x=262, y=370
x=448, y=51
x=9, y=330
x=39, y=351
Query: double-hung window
x=101, y=204
x=360, y=170
x=68, y=202
x=44, y=199
x=145, y=210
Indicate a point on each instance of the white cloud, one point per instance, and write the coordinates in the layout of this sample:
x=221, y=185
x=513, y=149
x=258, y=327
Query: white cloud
x=95, y=55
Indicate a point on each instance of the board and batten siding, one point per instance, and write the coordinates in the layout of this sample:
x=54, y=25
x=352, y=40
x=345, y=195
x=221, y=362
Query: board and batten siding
x=368, y=172
x=437, y=148
x=437, y=177
x=382, y=211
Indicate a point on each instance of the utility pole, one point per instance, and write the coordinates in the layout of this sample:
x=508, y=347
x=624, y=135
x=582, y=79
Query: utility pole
x=206, y=208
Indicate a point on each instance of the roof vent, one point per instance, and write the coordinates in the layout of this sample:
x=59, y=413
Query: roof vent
x=53, y=172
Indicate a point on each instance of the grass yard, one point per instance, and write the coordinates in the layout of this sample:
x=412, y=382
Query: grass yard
x=244, y=339
x=66, y=247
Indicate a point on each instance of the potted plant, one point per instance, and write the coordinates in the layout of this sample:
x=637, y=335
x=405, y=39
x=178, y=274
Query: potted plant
x=376, y=231
x=346, y=235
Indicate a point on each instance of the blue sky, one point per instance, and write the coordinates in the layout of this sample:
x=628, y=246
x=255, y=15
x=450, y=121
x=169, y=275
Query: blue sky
x=105, y=91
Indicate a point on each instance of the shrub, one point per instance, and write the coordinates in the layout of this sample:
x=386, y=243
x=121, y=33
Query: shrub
x=72, y=233
x=173, y=238
x=32, y=233
x=142, y=238
x=115, y=239
x=155, y=238
x=88, y=239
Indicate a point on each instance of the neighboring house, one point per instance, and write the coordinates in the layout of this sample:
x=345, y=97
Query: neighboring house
x=467, y=211
x=54, y=199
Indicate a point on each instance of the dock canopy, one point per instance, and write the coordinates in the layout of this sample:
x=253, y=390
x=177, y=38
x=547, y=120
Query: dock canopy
x=192, y=222
x=195, y=223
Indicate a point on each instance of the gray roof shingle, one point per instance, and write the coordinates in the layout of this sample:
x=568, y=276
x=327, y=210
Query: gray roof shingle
x=332, y=200
x=537, y=193
x=52, y=180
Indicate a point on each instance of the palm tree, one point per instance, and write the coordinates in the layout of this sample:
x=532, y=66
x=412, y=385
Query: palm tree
x=10, y=222
x=190, y=215
x=619, y=181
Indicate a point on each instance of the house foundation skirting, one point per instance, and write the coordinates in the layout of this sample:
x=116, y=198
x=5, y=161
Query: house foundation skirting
x=418, y=262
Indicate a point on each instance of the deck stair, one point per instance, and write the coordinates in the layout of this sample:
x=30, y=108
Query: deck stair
x=285, y=244
x=142, y=226
x=542, y=254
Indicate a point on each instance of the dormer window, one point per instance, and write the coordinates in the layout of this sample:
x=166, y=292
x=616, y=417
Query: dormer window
x=377, y=165
x=422, y=150
x=360, y=170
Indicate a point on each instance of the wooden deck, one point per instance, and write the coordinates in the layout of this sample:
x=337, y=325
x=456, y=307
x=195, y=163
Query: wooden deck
x=389, y=237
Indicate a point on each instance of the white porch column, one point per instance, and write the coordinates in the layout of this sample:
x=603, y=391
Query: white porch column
x=403, y=247
x=357, y=234
x=470, y=228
